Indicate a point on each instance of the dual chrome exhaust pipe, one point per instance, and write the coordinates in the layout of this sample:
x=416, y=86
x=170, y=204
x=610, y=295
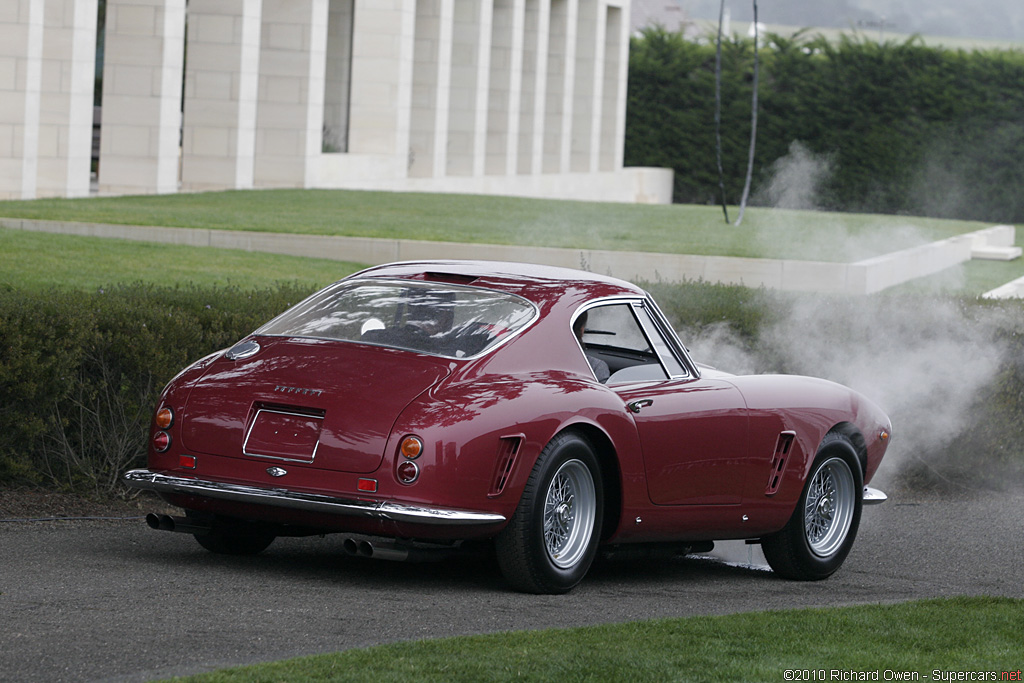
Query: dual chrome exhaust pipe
x=396, y=552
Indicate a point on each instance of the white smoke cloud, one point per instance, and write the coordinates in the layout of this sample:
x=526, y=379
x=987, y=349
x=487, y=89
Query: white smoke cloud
x=795, y=179
x=926, y=361
x=794, y=185
x=925, y=365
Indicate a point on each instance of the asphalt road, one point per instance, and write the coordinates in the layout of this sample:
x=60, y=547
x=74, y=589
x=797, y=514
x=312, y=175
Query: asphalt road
x=117, y=601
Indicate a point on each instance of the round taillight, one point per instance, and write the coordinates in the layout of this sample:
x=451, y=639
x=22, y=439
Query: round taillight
x=161, y=441
x=408, y=472
x=411, y=447
x=164, y=417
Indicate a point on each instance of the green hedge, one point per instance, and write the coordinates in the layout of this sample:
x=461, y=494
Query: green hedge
x=80, y=373
x=902, y=127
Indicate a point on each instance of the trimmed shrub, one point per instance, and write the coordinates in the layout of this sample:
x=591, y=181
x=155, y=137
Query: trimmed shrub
x=81, y=372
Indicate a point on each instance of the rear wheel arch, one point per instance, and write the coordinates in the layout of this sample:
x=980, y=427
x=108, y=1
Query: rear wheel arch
x=611, y=474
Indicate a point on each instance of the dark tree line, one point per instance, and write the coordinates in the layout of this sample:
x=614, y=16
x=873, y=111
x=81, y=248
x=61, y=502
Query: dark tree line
x=901, y=127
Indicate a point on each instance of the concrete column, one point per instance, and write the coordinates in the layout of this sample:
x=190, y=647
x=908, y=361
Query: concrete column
x=66, y=98
x=533, y=96
x=382, y=78
x=431, y=88
x=483, y=86
x=506, y=78
x=587, y=83
x=142, y=77
x=561, y=77
x=21, y=57
x=613, y=95
x=221, y=79
x=292, y=73
x=471, y=55
x=338, y=75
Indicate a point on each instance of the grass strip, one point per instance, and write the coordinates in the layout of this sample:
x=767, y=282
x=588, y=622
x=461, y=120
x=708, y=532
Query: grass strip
x=38, y=261
x=892, y=642
x=680, y=229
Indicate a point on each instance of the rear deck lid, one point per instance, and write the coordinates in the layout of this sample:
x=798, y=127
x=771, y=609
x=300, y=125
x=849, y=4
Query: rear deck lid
x=308, y=402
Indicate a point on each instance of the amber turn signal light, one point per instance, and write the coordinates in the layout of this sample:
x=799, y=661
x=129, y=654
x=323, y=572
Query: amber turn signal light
x=164, y=417
x=411, y=447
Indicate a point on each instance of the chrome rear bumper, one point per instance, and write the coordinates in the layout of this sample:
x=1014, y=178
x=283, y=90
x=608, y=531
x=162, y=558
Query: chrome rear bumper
x=396, y=512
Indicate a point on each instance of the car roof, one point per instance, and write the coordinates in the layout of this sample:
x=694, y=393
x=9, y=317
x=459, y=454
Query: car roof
x=538, y=283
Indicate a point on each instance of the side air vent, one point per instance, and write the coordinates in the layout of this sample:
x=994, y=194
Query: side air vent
x=508, y=450
x=779, y=460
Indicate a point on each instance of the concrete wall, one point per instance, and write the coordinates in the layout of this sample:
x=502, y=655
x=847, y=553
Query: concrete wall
x=519, y=97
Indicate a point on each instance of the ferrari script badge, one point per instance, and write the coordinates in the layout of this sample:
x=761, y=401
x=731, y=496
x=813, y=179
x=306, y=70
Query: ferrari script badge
x=298, y=390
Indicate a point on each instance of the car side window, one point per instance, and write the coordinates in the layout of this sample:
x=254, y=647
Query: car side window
x=672, y=364
x=623, y=336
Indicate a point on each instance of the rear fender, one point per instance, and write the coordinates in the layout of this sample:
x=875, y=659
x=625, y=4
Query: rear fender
x=487, y=434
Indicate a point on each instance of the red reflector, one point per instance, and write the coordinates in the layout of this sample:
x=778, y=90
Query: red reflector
x=368, y=485
x=187, y=461
x=161, y=441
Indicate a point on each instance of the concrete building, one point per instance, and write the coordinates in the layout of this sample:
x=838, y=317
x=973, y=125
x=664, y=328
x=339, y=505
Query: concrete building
x=516, y=97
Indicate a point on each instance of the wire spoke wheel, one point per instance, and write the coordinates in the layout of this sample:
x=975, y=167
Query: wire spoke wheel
x=551, y=540
x=820, y=532
x=569, y=514
x=829, y=507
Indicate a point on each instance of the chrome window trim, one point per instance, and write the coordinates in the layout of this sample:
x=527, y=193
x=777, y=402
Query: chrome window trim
x=669, y=334
x=671, y=341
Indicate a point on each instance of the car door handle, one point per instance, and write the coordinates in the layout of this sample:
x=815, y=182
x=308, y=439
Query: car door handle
x=639, y=404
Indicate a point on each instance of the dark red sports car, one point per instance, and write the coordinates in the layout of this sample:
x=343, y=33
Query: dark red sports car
x=553, y=412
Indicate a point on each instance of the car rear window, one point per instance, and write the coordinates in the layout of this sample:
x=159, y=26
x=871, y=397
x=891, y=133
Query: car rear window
x=452, y=321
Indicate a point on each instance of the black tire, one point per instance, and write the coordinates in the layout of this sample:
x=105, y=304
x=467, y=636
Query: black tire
x=564, y=489
x=232, y=537
x=819, y=535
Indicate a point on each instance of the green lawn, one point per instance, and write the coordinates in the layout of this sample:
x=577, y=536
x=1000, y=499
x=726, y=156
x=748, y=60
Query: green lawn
x=42, y=260
x=38, y=261
x=953, y=635
x=807, y=235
